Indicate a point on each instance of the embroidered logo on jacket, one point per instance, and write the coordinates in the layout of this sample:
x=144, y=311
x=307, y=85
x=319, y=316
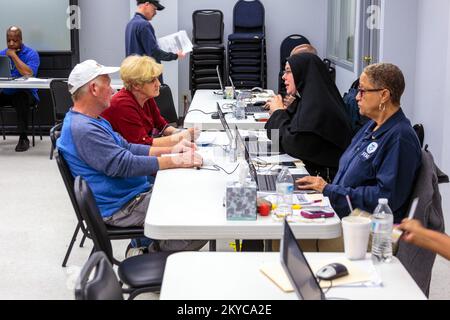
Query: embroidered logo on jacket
x=370, y=150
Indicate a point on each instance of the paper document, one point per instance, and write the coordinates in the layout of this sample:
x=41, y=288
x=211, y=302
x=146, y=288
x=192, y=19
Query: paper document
x=176, y=42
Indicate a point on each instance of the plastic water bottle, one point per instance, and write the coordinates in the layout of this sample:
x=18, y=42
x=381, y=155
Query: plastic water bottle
x=382, y=222
x=239, y=110
x=285, y=191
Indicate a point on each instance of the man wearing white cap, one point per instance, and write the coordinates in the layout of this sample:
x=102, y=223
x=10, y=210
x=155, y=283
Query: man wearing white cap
x=120, y=174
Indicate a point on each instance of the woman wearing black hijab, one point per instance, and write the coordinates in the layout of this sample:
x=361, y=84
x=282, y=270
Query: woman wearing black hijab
x=315, y=128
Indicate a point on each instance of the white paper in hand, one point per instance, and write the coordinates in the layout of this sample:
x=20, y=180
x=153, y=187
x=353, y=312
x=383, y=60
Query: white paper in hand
x=176, y=42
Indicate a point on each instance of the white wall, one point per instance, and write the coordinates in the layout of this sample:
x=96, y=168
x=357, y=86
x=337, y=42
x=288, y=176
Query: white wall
x=102, y=31
x=399, y=43
x=432, y=94
x=283, y=17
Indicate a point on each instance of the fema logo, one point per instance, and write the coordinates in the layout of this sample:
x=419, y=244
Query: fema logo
x=372, y=147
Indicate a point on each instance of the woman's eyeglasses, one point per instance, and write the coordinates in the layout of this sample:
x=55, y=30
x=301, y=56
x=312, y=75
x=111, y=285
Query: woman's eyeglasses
x=362, y=92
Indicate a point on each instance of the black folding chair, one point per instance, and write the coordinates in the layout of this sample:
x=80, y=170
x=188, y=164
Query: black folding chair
x=32, y=108
x=61, y=101
x=166, y=105
x=143, y=273
x=113, y=233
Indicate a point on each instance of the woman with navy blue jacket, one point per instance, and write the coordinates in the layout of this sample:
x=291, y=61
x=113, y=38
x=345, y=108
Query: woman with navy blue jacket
x=384, y=157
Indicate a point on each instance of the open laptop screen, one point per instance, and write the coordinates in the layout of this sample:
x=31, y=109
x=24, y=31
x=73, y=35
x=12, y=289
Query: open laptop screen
x=297, y=268
x=220, y=80
x=224, y=122
x=5, y=68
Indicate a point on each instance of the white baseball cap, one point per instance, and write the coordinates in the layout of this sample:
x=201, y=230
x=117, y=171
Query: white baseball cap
x=87, y=71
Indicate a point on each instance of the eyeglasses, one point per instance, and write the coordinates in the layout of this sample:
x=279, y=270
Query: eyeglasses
x=287, y=71
x=362, y=92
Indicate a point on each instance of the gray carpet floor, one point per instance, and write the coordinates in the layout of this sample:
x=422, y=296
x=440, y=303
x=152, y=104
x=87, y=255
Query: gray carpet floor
x=37, y=222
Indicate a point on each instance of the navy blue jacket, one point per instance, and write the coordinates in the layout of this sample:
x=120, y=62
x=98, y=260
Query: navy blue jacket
x=140, y=39
x=380, y=164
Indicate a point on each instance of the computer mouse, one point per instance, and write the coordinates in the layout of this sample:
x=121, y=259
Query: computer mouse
x=257, y=90
x=332, y=271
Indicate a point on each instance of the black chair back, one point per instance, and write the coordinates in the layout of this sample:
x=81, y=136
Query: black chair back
x=208, y=27
x=248, y=17
x=69, y=183
x=288, y=44
x=103, y=285
x=91, y=215
x=166, y=105
x=61, y=98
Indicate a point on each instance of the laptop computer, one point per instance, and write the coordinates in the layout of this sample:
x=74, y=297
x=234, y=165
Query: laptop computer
x=222, y=89
x=257, y=107
x=264, y=182
x=225, y=125
x=234, y=89
x=297, y=267
x=5, y=68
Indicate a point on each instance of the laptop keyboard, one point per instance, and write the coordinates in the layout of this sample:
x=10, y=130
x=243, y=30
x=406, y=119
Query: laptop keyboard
x=267, y=182
x=255, y=109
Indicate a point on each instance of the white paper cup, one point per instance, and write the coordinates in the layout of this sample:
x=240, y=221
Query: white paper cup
x=356, y=236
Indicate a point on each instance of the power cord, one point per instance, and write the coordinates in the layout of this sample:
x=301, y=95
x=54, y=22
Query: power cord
x=198, y=110
x=219, y=168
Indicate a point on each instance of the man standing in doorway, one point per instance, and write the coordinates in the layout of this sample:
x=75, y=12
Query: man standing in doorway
x=140, y=35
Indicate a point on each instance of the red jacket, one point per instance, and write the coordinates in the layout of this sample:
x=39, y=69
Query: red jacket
x=134, y=123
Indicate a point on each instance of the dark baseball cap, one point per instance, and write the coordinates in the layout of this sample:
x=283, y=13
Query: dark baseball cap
x=158, y=5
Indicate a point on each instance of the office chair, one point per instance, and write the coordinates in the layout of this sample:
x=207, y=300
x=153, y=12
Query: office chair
x=103, y=285
x=114, y=233
x=143, y=273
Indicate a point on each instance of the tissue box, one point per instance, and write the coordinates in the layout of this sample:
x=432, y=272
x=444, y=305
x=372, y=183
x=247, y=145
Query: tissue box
x=241, y=201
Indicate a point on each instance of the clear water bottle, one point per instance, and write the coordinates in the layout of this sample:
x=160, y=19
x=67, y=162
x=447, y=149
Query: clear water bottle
x=241, y=103
x=285, y=191
x=382, y=222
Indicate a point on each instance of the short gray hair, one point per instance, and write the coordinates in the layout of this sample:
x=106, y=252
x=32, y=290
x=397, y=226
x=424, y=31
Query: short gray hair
x=387, y=76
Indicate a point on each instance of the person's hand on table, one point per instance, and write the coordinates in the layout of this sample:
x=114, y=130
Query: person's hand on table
x=194, y=133
x=189, y=159
x=311, y=183
x=184, y=146
x=274, y=104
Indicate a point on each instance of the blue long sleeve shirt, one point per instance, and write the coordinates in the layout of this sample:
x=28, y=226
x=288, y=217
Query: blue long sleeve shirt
x=140, y=39
x=30, y=57
x=380, y=164
x=115, y=170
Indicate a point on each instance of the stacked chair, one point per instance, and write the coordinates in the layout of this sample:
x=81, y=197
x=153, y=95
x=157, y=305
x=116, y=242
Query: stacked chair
x=288, y=44
x=208, y=51
x=247, y=60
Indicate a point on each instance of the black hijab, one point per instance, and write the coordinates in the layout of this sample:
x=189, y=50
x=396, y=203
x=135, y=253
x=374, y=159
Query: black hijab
x=320, y=109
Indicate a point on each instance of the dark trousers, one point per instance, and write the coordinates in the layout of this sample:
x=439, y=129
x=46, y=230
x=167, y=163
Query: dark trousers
x=22, y=101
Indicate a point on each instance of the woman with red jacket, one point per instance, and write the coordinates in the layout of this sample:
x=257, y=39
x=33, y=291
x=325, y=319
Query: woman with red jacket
x=134, y=113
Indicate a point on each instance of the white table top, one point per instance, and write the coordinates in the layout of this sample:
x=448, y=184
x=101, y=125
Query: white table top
x=205, y=100
x=236, y=276
x=188, y=204
x=37, y=83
